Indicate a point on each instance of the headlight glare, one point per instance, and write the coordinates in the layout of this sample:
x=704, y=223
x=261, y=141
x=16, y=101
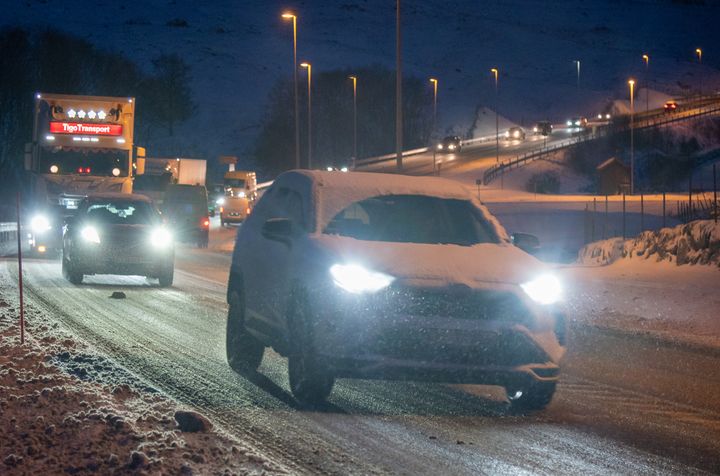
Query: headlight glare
x=161, y=238
x=90, y=235
x=545, y=289
x=356, y=279
x=39, y=224
x=220, y=201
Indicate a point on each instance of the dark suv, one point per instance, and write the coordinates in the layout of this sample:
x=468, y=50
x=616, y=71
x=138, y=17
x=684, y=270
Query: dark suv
x=186, y=210
x=115, y=233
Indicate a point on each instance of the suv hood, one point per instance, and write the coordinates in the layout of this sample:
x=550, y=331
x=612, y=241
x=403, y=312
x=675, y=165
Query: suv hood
x=436, y=264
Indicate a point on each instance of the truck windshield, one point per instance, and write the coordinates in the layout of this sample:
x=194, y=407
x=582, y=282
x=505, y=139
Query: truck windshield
x=235, y=183
x=94, y=162
x=413, y=219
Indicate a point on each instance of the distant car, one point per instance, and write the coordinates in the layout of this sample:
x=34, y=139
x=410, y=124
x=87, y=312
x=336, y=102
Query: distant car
x=515, y=133
x=236, y=207
x=117, y=234
x=450, y=144
x=543, y=128
x=216, y=194
x=604, y=116
x=671, y=106
x=369, y=275
x=186, y=210
x=577, y=123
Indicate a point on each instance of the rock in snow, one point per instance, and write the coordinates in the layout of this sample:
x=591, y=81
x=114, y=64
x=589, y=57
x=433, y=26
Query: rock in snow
x=192, y=422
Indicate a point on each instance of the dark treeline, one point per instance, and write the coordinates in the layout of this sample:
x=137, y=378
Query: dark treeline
x=332, y=118
x=55, y=62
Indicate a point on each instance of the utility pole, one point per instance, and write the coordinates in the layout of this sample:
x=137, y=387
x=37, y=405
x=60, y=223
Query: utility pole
x=398, y=91
x=577, y=62
x=354, y=82
x=632, y=136
x=497, y=121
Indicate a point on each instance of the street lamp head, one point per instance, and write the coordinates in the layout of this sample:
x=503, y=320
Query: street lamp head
x=305, y=64
x=354, y=78
x=433, y=80
x=646, y=58
x=698, y=51
x=631, y=82
x=494, y=71
x=288, y=16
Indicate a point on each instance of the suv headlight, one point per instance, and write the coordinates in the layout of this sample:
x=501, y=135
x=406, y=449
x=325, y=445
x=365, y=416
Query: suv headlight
x=356, y=279
x=90, y=235
x=545, y=289
x=161, y=238
x=39, y=224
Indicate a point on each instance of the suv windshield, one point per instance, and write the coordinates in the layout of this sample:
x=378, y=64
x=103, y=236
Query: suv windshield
x=413, y=219
x=121, y=212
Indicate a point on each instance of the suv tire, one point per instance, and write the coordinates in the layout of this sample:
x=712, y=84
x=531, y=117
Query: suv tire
x=310, y=381
x=244, y=352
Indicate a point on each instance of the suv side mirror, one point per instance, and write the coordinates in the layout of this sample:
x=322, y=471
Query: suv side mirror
x=526, y=242
x=278, y=229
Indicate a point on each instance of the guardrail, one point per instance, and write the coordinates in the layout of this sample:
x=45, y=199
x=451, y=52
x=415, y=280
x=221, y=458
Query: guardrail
x=8, y=238
x=655, y=121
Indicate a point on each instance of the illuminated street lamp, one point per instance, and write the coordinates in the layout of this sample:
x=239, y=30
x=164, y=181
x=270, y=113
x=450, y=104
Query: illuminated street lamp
x=631, y=83
x=646, y=59
x=435, y=91
x=308, y=66
x=290, y=16
x=354, y=83
x=698, y=52
x=494, y=71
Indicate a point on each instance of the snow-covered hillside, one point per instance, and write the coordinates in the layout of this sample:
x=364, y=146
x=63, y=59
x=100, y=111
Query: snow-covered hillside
x=237, y=50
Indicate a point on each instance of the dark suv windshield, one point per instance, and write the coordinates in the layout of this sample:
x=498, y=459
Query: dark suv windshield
x=413, y=219
x=121, y=212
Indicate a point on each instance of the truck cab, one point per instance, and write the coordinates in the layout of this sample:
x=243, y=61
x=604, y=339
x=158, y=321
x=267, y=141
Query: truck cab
x=240, y=195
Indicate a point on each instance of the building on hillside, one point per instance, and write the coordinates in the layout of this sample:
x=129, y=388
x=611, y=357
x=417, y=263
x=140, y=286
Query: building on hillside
x=613, y=177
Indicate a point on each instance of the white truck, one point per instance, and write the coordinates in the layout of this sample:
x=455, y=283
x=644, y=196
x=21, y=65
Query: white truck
x=80, y=145
x=155, y=174
x=240, y=195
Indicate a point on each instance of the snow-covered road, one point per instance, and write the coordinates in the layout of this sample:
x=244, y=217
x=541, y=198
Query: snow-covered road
x=624, y=404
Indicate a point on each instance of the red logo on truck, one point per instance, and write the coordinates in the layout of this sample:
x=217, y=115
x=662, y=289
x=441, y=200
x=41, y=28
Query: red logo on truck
x=86, y=129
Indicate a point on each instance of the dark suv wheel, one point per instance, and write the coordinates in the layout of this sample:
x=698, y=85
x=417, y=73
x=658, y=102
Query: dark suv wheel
x=532, y=398
x=244, y=352
x=69, y=272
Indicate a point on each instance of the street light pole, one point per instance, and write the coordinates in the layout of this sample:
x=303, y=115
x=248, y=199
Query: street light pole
x=398, y=91
x=354, y=83
x=289, y=16
x=497, y=121
x=646, y=59
x=577, y=62
x=632, y=136
x=435, y=93
x=308, y=66
x=698, y=52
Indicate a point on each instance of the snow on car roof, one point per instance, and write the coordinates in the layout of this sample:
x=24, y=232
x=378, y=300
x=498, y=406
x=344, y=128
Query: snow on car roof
x=333, y=191
x=118, y=196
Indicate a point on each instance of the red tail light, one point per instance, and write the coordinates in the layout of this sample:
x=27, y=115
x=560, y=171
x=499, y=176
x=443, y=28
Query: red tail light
x=222, y=209
x=205, y=222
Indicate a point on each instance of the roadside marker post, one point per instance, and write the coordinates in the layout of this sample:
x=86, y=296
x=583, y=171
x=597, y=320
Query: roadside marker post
x=623, y=218
x=20, y=274
x=715, y=202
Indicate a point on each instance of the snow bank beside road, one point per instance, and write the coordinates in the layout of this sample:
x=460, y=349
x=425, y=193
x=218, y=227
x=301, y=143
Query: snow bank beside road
x=64, y=409
x=697, y=242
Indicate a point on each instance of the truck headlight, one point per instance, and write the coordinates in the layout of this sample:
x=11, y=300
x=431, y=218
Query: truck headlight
x=545, y=289
x=90, y=235
x=39, y=224
x=356, y=279
x=161, y=238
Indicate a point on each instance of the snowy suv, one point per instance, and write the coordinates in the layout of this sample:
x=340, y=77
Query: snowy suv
x=384, y=276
